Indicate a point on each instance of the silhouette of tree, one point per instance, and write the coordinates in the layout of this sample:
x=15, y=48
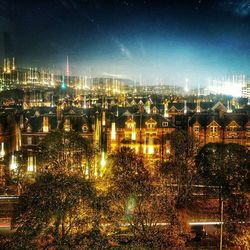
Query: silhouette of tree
x=146, y=207
x=226, y=167
x=56, y=212
x=66, y=151
x=180, y=169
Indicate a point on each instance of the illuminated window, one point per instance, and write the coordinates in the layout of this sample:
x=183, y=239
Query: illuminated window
x=133, y=136
x=67, y=125
x=130, y=124
x=45, y=124
x=84, y=128
x=213, y=129
x=233, y=128
x=31, y=166
x=150, y=149
x=196, y=129
x=113, y=131
x=151, y=123
x=29, y=128
x=29, y=140
x=154, y=110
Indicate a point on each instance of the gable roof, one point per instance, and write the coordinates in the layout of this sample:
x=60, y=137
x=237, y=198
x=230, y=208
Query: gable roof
x=219, y=105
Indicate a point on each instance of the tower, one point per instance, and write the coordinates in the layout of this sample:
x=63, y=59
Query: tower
x=13, y=63
x=8, y=65
x=67, y=70
x=186, y=89
x=4, y=65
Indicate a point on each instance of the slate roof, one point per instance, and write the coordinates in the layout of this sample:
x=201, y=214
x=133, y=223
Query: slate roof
x=36, y=122
x=204, y=119
x=122, y=110
x=141, y=119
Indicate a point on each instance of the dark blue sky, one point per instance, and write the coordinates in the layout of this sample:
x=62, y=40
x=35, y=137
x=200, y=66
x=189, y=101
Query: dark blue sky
x=167, y=40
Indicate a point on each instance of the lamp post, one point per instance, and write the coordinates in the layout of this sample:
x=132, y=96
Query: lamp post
x=221, y=224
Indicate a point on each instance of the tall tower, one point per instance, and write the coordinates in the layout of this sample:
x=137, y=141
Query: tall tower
x=67, y=70
x=186, y=89
x=4, y=65
x=13, y=63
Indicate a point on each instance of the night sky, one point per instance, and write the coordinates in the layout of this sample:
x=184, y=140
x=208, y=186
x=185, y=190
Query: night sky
x=153, y=40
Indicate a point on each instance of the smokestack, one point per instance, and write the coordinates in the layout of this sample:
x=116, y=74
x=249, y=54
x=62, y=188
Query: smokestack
x=4, y=65
x=13, y=63
x=8, y=65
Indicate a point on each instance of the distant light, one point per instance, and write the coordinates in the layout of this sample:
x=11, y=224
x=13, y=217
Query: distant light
x=9, y=197
x=150, y=149
x=133, y=136
x=87, y=172
x=205, y=223
x=231, y=87
x=63, y=86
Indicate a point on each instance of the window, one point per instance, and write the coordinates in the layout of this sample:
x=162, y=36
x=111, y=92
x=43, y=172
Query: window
x=196, y=129
x=29, y=140
x=154, y=110
x=233, y=135
x=130, y=124
x=84, y=128
x=29, y=128
x=164, y=124
x=67, y=125
x=45, y=124
x=213, y=129
x=151, y=123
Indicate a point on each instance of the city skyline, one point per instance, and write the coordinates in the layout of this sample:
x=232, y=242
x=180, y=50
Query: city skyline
x=124, y=124
x=158, y=41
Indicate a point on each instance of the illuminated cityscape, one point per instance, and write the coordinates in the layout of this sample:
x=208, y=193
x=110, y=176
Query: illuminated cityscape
x=124, y=133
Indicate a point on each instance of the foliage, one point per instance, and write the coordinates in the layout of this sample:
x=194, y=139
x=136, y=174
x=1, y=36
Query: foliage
x=67, y=152
x=226, y=166
x=54, y=212
x=18, y=177
x=148, y=208
x=180, y=169
x=236, y=218
x=128, y=173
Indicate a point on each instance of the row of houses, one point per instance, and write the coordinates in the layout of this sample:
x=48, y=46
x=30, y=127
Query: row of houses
x=137, y=126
